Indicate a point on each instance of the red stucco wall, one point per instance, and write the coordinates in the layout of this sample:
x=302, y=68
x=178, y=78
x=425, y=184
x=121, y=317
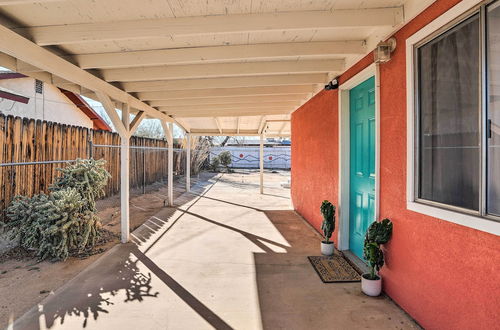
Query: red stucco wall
x=315, y=170
x=444, y=275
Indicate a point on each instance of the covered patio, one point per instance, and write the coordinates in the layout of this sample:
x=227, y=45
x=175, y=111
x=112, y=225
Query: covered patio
x=227, y=257
x=383, y=127
x=208, y=67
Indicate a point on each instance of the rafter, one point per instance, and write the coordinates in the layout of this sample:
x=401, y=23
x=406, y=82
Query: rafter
x=225, y=82
x=217, y=122
x=204, y=25
x=232, y=99
x=21, y=48
x=23, y=2
x=214, y=54
x=233, y=113
x=182, y=124
x=176, y=111
x=230, y=132
x=222, y=70
x=262, y=124
x=208, y=107
x=224, y=92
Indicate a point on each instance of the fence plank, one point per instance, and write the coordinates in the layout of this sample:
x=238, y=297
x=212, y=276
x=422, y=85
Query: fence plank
x=28, y=140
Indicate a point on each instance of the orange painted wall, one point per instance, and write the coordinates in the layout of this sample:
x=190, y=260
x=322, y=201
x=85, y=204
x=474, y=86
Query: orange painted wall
x=444, y=275
x=315, y=168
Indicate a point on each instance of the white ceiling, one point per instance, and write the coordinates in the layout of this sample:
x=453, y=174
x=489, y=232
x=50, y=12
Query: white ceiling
x=218, y=67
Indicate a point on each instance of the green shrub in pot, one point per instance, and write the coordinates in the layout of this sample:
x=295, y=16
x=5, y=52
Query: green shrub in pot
x=377, y=234
x=328, y=226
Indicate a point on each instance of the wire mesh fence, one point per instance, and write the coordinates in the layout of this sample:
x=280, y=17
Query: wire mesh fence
x=32, y=150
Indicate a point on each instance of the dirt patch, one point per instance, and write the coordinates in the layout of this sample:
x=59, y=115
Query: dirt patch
x=24, y=281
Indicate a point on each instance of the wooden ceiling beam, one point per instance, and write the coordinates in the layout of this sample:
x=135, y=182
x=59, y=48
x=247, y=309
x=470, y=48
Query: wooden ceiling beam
x=219, y=126
x=222, y=70
x=22, y=49
x=232, y=113
x=209, y=107
x=24, y=2
x=226, y=82
x=216, y=54
x=231, y=132
x=232, y=99
x=223, y=92
x=209, y=25
x=198, y=110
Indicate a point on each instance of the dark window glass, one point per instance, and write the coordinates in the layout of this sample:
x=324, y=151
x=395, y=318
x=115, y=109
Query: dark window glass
x=448, y=117
x=493, y=103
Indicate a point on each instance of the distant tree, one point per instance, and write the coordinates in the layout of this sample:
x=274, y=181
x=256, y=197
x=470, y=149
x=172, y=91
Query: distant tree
x=225, y=159
x=224, y=142
x=150, y=128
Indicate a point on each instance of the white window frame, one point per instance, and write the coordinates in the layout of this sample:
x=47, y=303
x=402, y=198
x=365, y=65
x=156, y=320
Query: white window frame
x=472, y=221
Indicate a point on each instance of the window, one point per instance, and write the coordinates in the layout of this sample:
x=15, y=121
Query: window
x=457, y=115
x=493, y=108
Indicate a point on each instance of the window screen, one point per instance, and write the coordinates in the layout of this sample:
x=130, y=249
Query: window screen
x=493, y=104
x=448, y=117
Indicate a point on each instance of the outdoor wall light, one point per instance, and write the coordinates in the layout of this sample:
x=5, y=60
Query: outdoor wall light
x=334, y=84
x=382, y=53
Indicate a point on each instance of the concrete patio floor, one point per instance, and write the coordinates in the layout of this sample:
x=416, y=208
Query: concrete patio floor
x=227, y=258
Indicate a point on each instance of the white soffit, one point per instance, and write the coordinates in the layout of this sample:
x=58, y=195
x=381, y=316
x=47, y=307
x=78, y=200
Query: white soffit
x=237, y=67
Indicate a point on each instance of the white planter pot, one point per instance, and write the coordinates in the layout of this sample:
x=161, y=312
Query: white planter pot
x=371, y=287
x=327, y=249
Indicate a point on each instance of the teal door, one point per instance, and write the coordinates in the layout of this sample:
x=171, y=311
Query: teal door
x=362, y=163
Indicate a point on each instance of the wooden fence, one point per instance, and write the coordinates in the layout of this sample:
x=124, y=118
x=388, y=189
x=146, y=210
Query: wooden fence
x=28, y=140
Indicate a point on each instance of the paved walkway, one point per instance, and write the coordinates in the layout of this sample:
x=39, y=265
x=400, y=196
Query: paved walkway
x=227, y=257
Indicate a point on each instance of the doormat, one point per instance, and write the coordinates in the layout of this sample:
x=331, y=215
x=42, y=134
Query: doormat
x=334, y=269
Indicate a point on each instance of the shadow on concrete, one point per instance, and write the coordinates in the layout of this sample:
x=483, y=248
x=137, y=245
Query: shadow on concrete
x=231, y=203
x=290, y=295
x=273, y=195
x=200, y=308
x=89, y=296
x=255, y=239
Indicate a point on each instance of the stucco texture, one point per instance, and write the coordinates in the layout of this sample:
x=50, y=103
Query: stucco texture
x=315, y=157
x=444, y=275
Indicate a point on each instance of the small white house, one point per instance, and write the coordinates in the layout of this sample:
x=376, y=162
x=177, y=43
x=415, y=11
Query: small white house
x=23, y=96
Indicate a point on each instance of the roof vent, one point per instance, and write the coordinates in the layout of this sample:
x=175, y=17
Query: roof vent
x=38, y=86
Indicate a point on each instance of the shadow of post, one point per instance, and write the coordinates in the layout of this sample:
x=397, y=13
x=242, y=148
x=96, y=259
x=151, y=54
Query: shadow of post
x=91, y=293
x=87, y=296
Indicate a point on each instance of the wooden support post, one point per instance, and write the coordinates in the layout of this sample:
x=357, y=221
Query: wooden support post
x=168, y=129
x=188, y=162
x=261, y=163
x=125, y=177
x=123, y=128
x=124, y=189
x=170, y=165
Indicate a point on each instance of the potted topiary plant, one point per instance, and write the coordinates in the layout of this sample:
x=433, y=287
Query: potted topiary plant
x=378, y=233
x=328, y=227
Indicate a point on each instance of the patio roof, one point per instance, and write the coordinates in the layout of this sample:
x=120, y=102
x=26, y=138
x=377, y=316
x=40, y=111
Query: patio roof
x=214, y=67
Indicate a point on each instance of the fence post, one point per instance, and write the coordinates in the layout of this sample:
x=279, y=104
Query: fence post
x=188, y=162
x=91, y=149
x=143, y=171
x=261, y=163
